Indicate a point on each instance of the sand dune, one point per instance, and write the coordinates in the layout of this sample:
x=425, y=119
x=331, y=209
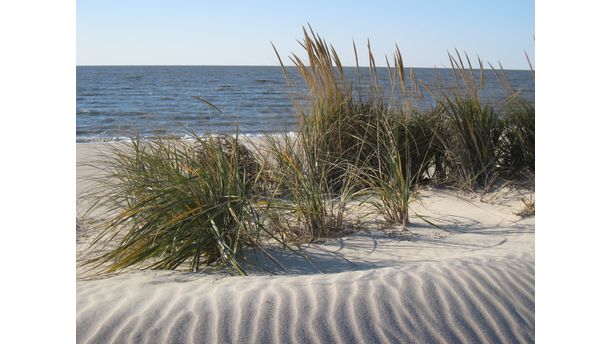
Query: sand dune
x=470, y=286
x=472, y=282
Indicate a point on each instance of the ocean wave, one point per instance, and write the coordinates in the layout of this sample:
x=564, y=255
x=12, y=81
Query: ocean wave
x=103, y=139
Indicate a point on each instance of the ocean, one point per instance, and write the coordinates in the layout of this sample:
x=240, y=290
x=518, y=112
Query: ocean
x=118, y=102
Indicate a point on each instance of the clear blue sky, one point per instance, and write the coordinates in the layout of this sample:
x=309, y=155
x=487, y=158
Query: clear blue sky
x=188, y=32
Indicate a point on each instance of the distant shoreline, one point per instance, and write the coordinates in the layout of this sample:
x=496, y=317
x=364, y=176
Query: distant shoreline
x=273, y=66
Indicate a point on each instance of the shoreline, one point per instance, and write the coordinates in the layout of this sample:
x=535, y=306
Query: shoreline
x=182, y=137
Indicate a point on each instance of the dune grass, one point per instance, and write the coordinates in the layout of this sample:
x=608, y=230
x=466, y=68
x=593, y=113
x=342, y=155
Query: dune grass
x=472, y=143
x=392, y=183
x=334, y=128
x=176, y=203
x=305, y=205
x=390, y=147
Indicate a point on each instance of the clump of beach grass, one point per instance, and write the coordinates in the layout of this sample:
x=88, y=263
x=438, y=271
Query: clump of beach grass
x=304, y=205
x=482, y=141
x=392, y=182
x=173, y=202
x=389, y=147
x=335, y=126
x=472, y=143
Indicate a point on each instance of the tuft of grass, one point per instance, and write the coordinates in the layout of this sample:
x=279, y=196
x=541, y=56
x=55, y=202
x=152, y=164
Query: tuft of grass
x=173, y=202
x=419, y=143
x=472, y=143
x=335, y=126
x=482, y=140
x=392, y=182
x=344, y=135
x=304, y=204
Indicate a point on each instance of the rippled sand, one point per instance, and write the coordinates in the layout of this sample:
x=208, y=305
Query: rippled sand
x=472, y=282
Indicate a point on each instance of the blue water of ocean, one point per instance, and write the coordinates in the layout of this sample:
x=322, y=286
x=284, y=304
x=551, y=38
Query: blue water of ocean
x=118, y=102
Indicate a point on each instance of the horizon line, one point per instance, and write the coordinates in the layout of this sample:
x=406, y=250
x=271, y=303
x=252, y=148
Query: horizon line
x=279, y=66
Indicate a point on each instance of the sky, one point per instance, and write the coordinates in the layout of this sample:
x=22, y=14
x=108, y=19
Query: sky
x=188, y=32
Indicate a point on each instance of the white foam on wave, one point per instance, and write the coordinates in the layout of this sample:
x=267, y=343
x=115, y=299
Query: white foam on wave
x=103, y=139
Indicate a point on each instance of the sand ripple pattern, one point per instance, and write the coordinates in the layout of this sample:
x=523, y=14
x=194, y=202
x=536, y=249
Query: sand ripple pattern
x=469, y=300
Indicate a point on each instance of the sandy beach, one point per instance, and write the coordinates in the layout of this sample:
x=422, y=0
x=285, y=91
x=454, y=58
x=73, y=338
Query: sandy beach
x=471, y=281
